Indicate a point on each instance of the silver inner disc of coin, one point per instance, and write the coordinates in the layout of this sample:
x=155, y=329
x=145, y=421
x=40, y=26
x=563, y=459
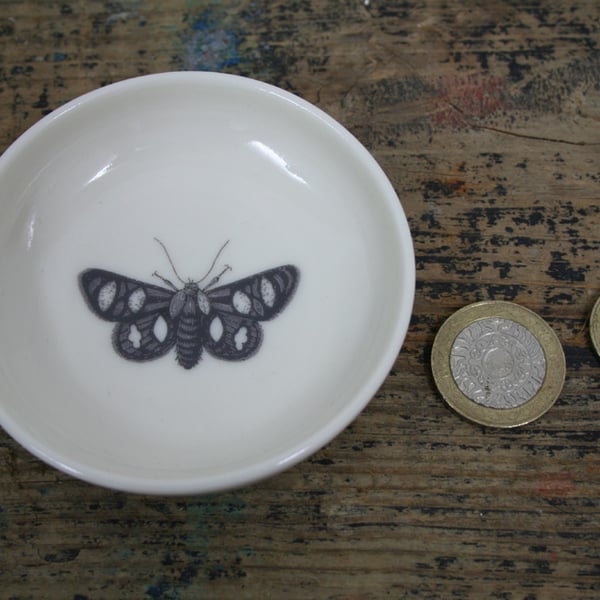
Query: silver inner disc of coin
x=497, y=363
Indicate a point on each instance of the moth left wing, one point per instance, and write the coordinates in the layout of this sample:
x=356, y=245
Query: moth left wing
x=259, y=297
x=148, y=337
x=114, y=297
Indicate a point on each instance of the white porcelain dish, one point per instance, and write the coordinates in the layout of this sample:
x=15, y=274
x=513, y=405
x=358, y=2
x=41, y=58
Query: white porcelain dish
x=194, y=160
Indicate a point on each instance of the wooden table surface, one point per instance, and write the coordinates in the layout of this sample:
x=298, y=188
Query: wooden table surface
x=486, y=118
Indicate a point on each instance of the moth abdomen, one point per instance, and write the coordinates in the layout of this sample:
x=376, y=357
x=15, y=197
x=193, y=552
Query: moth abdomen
x=188, y=343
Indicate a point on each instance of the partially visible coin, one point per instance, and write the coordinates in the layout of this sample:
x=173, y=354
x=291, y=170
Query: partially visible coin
x=498, y=363
x=595, y=326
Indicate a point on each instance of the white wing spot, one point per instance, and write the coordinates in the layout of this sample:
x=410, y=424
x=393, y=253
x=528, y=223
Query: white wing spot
x=216, y=329
x=135, y=337
x=106, y=295
x=160, y=329
x=240, y=338
x=267, y=291
x=241, y=302
x=203, y=303
x=136, y=300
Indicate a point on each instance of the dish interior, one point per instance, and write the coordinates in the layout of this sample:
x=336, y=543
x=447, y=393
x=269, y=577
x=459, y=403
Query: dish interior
x=194, y=161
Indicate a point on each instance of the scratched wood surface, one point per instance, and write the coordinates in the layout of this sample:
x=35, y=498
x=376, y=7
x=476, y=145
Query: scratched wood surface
x=486, y=118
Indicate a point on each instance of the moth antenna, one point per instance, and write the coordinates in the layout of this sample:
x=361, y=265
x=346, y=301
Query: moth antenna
x=165, y=280
x=216, y=278
x=170, y=261
x=214, y=262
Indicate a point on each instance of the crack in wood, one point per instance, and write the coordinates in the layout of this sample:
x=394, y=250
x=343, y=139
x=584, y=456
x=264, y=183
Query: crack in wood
x=526, y=136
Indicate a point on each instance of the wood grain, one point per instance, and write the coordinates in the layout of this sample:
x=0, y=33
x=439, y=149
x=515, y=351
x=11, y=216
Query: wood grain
x=485, y=116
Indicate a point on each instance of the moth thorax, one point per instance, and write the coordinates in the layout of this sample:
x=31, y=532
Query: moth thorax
x=203, y=303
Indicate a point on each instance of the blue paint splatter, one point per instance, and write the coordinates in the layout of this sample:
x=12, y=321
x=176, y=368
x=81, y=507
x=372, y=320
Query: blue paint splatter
x=158, y=590
x=171, y=588
x=210, y=46
x=62, y=556
x=203, y=516
x=247, y=551
x=202, y=24
x=211, y=51
x=205, y=509
x=125, y=553
x=59, y=56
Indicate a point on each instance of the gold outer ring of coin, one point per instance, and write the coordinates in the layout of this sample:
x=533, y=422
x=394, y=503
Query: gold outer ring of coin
x=595, y=326
x=537, y=405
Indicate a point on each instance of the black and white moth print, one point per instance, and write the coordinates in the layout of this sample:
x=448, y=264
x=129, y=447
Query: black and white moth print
x=224, y=320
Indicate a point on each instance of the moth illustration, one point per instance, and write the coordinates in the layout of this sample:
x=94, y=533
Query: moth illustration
x=225, y=320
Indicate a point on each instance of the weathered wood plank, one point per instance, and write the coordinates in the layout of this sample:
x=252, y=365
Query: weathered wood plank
x=485, y=117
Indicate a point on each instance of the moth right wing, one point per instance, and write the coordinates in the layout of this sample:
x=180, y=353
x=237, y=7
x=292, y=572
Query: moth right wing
x=231, y=337
x=259, y=297
x=114, y=297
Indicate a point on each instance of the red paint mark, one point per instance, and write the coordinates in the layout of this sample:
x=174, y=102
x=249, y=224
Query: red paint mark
x=458, y=186
x=556, y=485
x=553, y=556
x=461, y=99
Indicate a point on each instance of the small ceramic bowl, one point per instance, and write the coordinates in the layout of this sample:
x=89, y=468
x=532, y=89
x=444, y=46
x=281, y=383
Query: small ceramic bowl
x=204, y=280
